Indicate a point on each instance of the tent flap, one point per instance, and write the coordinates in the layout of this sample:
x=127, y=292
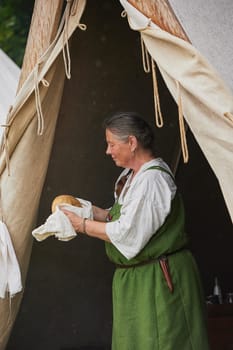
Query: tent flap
x=29, y=156
x=206, y=99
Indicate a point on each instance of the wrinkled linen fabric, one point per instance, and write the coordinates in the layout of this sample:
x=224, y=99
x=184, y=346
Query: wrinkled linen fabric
x=137, y=213
x=10, y=275
x=213, y=20
x=58, y=224
x=207, y=101
x=29, y=155
x=9, y=77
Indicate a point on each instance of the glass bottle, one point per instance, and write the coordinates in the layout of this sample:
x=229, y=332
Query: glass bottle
x=217, y=290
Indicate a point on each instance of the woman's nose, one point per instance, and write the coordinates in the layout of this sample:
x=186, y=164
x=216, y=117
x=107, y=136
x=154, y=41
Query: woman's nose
x=108, y=150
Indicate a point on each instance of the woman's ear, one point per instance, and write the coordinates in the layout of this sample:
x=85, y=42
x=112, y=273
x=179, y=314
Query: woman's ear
x=133, y=143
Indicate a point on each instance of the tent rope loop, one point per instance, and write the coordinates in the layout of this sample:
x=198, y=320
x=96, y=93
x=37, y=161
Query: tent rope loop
x=149, y=66
x=45, y=82
x=158, y=112
x=183, y=139
x=145, y=57
x=82, y=26
x=123, y=14
x=65, y=46
x=40, y=116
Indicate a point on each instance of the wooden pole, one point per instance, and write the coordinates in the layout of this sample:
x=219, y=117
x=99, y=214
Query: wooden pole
x=161, y=14
x=44, y=24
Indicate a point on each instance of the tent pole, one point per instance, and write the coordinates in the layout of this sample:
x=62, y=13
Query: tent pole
x=45, y=21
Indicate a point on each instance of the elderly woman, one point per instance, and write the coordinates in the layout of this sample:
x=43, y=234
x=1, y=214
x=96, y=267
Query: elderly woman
x=157, y=295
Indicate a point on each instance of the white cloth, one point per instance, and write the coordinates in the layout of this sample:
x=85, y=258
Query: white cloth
x=9, y=77
x=58, y=224
x=10, y=276
x=146, y=202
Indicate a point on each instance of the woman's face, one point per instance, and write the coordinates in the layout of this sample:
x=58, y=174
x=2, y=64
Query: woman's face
x=120, y=151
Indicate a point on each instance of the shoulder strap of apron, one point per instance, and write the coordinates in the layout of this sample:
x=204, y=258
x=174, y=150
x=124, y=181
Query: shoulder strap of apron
x=161, y=169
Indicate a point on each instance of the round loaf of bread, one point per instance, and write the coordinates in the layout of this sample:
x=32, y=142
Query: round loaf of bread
x=65, y=199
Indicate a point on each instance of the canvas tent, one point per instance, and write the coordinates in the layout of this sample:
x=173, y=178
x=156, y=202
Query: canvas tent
x=207, y=113
x=9, y=76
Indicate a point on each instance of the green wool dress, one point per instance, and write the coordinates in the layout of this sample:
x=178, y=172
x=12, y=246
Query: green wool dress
x=146, y=314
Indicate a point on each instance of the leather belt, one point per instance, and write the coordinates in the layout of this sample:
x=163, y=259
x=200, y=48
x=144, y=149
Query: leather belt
x=163, y=262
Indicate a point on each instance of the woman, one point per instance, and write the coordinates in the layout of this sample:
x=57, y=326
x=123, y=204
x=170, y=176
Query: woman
x=157, y=295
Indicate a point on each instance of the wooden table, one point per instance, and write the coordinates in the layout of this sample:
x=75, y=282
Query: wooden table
x=220, y=326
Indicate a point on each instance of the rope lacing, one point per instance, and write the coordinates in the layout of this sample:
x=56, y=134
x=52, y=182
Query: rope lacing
x=123, y=14
x=149, y=66
x=183, y=139
x=40, y=116
x=62, y=30
x=158, y=113
x=145, y=57
x=65, y=47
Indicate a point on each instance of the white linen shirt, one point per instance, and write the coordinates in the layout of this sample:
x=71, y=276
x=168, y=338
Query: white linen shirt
x=145, y=203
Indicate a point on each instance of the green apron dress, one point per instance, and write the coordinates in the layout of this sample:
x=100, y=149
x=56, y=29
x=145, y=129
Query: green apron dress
x=146, y=314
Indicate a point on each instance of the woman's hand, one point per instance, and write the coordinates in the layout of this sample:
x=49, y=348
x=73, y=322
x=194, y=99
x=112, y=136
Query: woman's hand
x=76, y=221
x=91, y=228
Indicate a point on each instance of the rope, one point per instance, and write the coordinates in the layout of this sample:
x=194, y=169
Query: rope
x=5, y=146
x=229, y=116
x=62, y=30
x=123, y=14
x=183, y=139
x=40, y=116
x=158, y=113
x=65, y=46
x=146, y=66
x=145, y=57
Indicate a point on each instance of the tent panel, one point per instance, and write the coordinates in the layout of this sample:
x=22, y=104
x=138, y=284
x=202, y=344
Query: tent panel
x=208, y=25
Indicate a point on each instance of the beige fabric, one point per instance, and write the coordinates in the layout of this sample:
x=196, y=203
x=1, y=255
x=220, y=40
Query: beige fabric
x=207, y=102
x=28, y=152
x=213, y=18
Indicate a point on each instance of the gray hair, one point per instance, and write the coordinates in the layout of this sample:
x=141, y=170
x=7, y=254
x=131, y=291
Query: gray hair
x=124, y=124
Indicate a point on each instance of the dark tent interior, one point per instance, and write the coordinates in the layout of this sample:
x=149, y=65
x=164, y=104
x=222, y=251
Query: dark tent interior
x=67, y=298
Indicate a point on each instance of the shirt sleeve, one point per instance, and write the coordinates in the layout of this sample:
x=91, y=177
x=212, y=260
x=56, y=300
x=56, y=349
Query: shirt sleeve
x=143, y=211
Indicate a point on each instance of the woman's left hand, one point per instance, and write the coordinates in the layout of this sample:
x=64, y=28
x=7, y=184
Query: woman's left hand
x=76, y=221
